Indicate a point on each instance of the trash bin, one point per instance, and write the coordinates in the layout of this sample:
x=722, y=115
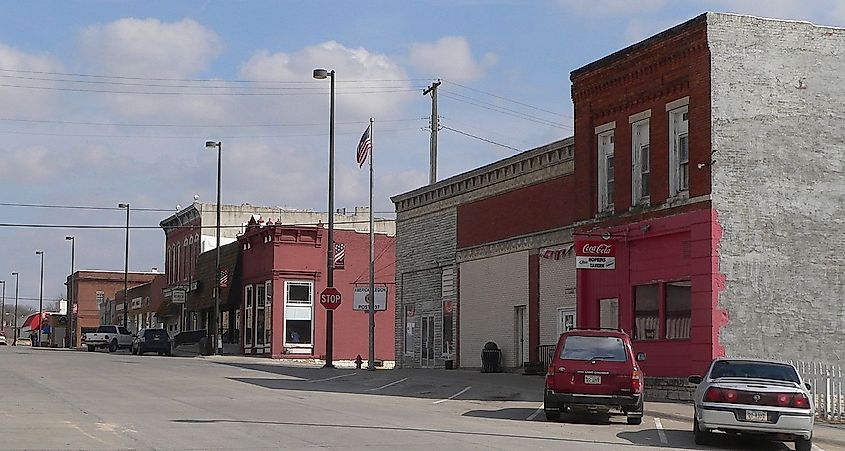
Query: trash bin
x=491, y=358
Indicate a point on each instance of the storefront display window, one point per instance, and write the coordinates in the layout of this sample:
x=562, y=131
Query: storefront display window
x=647, y=312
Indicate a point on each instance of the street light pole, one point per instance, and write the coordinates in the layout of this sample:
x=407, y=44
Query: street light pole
x=215, y=330
x=321, y=74
x=40, y=300
x=17, y=280
x=3, y=309
x=126, y=268
x=70, y=323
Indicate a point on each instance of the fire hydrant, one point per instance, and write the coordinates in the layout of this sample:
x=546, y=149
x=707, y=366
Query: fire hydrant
x=358, y=361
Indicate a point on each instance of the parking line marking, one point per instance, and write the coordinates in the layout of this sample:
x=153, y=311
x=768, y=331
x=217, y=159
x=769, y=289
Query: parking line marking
x=388, y=385
x=817, y=448
x=332, y=378
x=660, y=432
x=536, y=412
x=453, y=396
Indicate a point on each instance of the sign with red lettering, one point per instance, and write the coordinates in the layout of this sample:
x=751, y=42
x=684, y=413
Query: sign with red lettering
x=595, y=254
x=330, y=298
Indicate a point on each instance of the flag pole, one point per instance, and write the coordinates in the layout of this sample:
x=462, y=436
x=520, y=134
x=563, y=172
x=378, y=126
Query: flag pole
x=371, y=362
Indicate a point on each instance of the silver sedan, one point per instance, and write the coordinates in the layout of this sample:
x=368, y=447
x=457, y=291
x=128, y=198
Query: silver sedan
x=759, y=397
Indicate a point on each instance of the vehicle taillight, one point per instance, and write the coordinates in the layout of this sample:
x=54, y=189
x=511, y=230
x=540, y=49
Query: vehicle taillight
x=636, y=381
x=551, y=371
x=800, y=400
x=713, y=394
x=730, y=395
x=784, y=399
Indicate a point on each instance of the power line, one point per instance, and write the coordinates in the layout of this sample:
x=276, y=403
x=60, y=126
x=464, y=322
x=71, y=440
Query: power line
x=128, y=136
x=503, y=110
x=151, y=125
x=222, y=209
x=480, y=138
x=120, y=77
x=508, y=99
x=499, y=107
x=182, y=93
x=158, y=227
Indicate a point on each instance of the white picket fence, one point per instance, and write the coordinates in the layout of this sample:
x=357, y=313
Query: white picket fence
x=827, y=383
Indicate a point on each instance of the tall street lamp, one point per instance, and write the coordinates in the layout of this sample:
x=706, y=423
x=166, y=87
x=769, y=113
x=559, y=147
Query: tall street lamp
x=215, y=328
x=70, y=323
x=3, y=309
x=321, y=74
x=40, y=299
x=17, y=280
x=125, y=266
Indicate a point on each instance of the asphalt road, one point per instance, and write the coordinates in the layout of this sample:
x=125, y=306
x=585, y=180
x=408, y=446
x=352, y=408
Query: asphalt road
x=54, y=399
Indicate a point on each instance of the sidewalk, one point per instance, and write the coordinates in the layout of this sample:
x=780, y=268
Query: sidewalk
x=823, y=433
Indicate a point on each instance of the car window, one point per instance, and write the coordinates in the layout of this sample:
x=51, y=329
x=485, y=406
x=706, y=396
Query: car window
x=153, y=333
x=124, y=331
x=755, y=370
x=581, y=347
x=106, y=330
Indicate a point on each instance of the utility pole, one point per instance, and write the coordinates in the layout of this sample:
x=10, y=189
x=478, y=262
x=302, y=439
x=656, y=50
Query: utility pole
x=435, y=127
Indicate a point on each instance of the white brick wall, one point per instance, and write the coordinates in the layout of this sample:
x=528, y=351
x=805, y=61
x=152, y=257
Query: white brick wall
x=778, y=136
x=557, y=290
x=491, y=288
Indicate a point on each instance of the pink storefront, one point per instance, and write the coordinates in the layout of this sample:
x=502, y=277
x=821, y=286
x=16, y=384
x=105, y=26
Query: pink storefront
x=284, y=270
x=663, y=291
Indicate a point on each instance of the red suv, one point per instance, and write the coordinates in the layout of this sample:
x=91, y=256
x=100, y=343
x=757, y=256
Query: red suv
x=595, y=370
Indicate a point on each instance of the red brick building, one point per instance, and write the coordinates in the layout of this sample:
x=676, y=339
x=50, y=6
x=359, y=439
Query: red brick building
x=284, y=270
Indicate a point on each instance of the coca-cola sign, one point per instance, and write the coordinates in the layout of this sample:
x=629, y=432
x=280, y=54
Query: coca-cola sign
x=595, y=254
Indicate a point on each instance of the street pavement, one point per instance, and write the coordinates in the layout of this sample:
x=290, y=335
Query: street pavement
x=62, y=399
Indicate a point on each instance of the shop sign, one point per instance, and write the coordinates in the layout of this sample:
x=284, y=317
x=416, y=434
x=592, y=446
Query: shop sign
x=361, y=298
x=595, y=254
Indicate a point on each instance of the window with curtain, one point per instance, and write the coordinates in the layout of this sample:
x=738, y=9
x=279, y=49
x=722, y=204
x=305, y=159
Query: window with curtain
x=678, y=310
x=646, y=312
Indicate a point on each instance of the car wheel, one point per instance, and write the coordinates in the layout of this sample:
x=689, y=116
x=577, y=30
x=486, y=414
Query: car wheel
x=701, y=437
x=804, y=444
x=113, y=346
x=553, y=415
x=91, y=348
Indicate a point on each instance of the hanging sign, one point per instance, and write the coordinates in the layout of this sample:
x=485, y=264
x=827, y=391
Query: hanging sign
x=361, y=298
x=595, y=254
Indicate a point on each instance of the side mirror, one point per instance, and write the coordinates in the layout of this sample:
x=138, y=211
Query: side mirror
x=809, y=387
x=694, y=380
x=641, y=357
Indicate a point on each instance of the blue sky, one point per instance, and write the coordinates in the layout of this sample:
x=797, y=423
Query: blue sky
x=100, y=103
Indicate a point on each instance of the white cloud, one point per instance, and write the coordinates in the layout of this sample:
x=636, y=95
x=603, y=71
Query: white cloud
x=150, y=48
x=33, y=163
x=821, y=12
x=360, y=85
x=21, y=102
x=450, y=57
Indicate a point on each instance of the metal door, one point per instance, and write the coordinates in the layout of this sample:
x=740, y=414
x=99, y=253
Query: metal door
x=521, y=322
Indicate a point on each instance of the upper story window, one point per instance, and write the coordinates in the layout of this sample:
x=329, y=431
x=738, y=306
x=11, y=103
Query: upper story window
x=679, y=151
x=641, y=168
x=606, y=177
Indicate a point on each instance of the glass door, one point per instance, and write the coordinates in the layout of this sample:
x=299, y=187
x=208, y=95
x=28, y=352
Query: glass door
x=427, y=343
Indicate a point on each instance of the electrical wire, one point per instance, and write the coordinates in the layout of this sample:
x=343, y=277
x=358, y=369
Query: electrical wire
x=128, y=136
x=198, y=80
x=498, y=107
x=181, y=93
x=506, y=111
x=446, y=127
x=222, y=209
x=508, y=99
x=116, y=124
x=158, y=227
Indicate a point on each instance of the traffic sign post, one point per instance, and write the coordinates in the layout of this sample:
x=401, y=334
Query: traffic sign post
x=330, y=299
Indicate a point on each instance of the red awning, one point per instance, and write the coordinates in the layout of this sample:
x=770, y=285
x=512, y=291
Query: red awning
x=34, y=321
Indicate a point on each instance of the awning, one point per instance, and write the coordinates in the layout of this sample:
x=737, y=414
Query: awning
x=35, y=320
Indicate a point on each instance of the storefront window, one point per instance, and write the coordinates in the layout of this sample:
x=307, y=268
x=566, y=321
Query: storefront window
x=268, y=312
x=260, y=315
x=678, y=310
x=298, y=313
x=410, y=325
x=248, y=316
x=446, y=324
x=646, y=312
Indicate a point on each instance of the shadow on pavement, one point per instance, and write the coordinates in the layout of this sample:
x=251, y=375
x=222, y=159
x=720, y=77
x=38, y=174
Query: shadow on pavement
x=503, y=414
x=413, y=384
x=683, y=439
x=552, y=439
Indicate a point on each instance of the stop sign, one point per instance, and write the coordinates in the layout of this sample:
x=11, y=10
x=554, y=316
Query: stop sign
x=330, y=298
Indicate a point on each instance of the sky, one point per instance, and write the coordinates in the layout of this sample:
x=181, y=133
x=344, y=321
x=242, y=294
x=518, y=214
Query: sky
x=105, y=102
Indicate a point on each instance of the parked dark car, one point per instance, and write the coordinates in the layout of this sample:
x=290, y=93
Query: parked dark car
x=594, y=370
x=152, y=340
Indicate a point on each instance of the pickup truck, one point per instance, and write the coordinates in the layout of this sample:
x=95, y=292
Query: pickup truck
x=112, y=337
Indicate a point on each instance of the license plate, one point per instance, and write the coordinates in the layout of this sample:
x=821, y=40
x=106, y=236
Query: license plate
x=589, y=379
x=155, y=339
x=756, y=415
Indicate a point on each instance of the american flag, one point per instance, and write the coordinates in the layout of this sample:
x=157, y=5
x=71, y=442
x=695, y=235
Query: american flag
x=364, y=147
x=339, y=254
x=224, y=278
